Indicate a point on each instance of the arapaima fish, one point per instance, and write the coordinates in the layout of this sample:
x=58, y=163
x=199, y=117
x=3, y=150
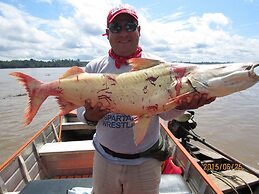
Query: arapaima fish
x=150, y=88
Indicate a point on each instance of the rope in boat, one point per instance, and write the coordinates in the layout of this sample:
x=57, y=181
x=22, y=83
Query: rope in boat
x=245, y=184
x=223, y=177
x=220, y=177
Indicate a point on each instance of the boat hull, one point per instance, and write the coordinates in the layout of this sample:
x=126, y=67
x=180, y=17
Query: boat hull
x=53, y=153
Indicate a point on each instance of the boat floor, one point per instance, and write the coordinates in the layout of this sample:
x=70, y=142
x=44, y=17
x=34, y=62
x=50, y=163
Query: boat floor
x=55, y=186
x=170, y=184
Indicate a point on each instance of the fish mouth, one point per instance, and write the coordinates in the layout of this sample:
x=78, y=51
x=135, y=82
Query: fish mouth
x=255, y=70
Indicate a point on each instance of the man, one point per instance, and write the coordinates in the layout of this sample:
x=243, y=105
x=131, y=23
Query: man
x=118, y=166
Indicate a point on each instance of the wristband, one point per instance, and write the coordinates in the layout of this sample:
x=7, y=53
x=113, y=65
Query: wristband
x=91, y=123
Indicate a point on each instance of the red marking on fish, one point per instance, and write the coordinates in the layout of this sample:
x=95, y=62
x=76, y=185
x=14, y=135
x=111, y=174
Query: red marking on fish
x=145, y=89
x=110, y=78
x=103, y=89
x=152, y=108
x=59, y=90
x=178, y=72
x=105, y=97
x=152, y=80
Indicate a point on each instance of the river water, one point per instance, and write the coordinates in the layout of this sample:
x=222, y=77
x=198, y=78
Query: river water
x=229, y=123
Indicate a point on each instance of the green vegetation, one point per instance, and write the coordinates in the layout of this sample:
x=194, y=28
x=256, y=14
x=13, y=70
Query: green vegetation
x=59, y=63
x=36, y=64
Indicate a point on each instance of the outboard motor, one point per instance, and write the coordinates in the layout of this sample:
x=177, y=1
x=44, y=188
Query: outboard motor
x=181, y=126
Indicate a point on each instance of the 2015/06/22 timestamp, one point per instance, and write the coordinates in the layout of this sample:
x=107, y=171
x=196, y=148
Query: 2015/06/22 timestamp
x=221, y=166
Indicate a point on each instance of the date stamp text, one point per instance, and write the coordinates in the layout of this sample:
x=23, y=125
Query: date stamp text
x=221, y=166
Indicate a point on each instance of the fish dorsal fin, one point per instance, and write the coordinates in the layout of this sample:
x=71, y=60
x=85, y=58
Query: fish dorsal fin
x=142, y=63
x=72, y=71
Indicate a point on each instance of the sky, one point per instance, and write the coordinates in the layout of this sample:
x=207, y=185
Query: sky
x=175, y=30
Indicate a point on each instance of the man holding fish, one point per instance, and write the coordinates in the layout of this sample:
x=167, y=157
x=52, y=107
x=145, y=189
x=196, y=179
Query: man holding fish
x=125, y=102
x=120, y=164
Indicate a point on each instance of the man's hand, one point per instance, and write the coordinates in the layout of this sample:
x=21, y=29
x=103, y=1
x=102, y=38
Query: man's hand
x=94, y=113
x=194, y=101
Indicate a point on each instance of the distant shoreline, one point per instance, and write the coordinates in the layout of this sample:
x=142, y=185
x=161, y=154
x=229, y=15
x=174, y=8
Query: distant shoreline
x=41, y=64
x=66, y=63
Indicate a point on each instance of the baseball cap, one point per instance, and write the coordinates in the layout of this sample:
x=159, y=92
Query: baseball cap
x=124, y=8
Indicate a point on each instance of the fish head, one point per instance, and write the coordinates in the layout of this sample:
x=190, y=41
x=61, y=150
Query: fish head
x=224, y=79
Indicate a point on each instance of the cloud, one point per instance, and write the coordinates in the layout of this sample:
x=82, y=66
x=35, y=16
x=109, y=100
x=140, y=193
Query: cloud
x=44, y=1
x=20, y=33
x=77, y=34
x=24, y=36
x=198, y=38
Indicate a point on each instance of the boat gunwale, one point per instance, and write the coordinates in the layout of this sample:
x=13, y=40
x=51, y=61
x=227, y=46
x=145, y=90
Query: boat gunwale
x=205, y=176
x=16, y=153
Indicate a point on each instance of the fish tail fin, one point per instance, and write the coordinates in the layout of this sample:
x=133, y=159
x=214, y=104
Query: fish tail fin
x=36, y=97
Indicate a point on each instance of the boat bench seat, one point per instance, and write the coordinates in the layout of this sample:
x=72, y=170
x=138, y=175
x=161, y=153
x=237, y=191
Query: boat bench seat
x=67, y=158
x=76, y=126
x=12, y=193
x=170, y=184
x=66, y=147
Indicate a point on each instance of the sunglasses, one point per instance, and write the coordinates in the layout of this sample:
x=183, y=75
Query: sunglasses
x=129, y=27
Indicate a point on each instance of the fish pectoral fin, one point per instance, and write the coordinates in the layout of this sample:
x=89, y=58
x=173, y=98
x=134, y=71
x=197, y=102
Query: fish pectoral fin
x=65, y=106
x=140, y=128
x=173, y=102
x=143, y=63
x=72, y=71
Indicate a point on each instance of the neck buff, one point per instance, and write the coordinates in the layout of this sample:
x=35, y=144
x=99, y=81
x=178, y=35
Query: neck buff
x=123, y=60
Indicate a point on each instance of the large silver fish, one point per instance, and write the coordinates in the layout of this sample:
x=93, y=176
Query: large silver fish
x=151, y=88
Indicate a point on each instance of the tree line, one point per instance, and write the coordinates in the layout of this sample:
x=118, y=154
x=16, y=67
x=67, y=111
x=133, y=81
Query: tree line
x=37, y=64
x=61, y=63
